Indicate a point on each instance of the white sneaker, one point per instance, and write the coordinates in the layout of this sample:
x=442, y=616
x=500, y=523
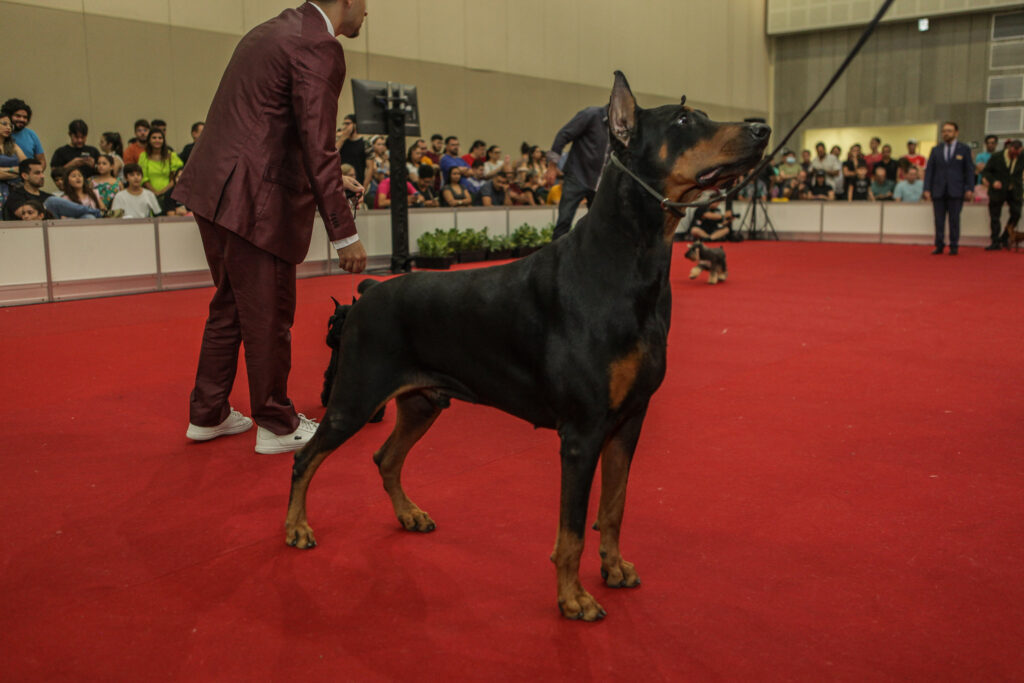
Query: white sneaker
x=267, y=442
x=234, y=423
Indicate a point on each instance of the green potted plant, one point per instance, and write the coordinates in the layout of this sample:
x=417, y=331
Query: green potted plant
x=472, y=245
x=435, y=250
x=526, y=239
x=501, y=247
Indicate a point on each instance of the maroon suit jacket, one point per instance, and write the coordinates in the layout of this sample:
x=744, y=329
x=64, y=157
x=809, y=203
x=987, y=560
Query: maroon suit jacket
x=266, y=159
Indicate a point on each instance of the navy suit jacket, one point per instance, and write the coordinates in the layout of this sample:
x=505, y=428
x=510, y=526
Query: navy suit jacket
x=951, y=178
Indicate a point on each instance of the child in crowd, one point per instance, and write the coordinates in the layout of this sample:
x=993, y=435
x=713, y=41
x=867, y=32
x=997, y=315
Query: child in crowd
x=357, y=201
x=32, y=210
x=474, y=180
x=110, y=143
x=425, y=184
x=104, y=182
x=135, y=200
x=860, y=188
x=80, y=192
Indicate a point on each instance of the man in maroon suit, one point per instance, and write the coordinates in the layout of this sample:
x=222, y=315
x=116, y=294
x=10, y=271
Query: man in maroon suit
x=265, y=162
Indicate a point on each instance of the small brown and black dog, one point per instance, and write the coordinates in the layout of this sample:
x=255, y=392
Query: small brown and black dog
x=709, y=259
x=571, y=338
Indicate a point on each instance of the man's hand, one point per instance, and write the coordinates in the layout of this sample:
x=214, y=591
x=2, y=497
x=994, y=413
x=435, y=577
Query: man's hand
x=969, y=196
x=352, y=185
x=353, y=257
x=997, y=185
x=927, y=196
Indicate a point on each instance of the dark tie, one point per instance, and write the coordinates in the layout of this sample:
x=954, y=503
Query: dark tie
x=949, y=151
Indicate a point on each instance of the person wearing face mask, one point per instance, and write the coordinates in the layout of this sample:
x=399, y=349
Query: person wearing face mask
x=788, y=168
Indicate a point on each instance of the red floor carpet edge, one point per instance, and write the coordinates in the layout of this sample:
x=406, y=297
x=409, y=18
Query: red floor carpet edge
x=828, y=487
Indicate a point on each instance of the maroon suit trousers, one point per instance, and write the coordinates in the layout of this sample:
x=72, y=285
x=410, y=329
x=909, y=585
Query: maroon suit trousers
x=254, y=304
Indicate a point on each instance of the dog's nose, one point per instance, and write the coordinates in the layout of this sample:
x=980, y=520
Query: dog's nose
x=760, y=131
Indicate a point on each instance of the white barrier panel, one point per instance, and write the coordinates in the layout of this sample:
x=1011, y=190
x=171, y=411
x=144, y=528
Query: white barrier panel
x=22, y=253
x=181, y=247
x=423, y=221
x=974, y=223
x=319, y=243
x=92, y=249
x=859, y=220
x=797, y=218
x=478, y=218
x=580, y=213
x=903, y=220
x=375, y=232
x=539, y=217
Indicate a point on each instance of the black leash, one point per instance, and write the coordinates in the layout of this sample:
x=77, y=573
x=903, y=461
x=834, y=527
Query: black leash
x=674, y=207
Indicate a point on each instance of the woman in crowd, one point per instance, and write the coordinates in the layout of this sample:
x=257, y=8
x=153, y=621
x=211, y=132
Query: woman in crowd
x=160, y=169
x=854, y=158
x=493, y=163
x=32, y=210
x=413, y=160
x=104, y=182
x=110, y=143
x=536, y=162
x=379, y=156
x=454, y=194
x=10, y=156
x=77, y=190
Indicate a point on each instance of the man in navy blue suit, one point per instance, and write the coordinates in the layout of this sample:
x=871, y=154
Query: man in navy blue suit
x=948, y=182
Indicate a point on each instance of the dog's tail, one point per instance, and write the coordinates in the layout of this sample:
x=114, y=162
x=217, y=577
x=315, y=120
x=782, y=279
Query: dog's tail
x=334, y=325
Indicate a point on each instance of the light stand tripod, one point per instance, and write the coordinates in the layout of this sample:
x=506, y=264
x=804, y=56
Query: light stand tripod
x=753, y=231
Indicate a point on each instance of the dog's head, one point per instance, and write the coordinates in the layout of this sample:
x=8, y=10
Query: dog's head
x=693, y=252
x=680, y=149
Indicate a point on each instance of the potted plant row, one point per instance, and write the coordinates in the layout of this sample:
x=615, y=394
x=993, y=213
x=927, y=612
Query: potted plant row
x=440, y=248
x=527, y=239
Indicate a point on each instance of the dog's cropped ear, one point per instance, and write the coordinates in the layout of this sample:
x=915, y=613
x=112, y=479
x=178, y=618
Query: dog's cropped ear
x=621, y=110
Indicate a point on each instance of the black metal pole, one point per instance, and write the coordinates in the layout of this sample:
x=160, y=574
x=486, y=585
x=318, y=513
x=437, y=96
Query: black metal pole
x=400, y=262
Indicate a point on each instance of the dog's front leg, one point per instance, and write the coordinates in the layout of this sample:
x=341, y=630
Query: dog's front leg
x=615, y=461
x=579, y=460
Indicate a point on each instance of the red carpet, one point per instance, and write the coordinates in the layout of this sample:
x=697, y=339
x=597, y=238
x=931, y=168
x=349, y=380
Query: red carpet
x=828, y=487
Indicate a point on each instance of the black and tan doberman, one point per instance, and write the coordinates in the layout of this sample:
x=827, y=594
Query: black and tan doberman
x=570, y=338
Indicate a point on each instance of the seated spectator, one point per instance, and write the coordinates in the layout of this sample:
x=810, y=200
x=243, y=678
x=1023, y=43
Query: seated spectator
x=495, y=192
x=135, y=200
x=535, y=186
x=24, y=137
x=79, y=200
x=912, y=158
x=413, y=160
x=425, y=185
x=536, y=161
x=11, y=155
x=796, y=188
x=197, y=130
x=32, y=210
x=493, y=163
x=860, y=189
x=474, y=180
x=383, y=197
x=57, y=176
x=454, y=194
x=820, y=189
x=110, y=143
x=160, y=125
x=805, y=161
x=991, y=143
x=356, y=201
x=911, y=188
x=451, y=158
x=104, y=182
x=137, y=145
x=788, y=168
x=76, y=154
x=521, y=194
x=379, y=159
x=478, y=150
x=836, y=152
x=711, y=224
x=853, y=159
x=881, y=187
x=888, y=163
x=554, y=194
x=827, y=164
x=436, y=149
x=31, y=188
x=160, y=167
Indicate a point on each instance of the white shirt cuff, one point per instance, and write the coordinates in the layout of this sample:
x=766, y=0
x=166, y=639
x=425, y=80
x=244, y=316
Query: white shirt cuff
x=345, y=241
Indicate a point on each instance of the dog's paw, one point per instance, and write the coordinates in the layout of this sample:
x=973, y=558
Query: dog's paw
x=694, y=272
x=580, y=605
x=619, y=574
x=299, y=536
x=416, y=520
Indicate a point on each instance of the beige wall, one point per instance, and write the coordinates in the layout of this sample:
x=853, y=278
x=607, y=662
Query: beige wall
x=504, y=72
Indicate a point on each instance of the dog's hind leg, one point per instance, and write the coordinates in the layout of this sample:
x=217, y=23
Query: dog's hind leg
x=616, y=458
x=417, y=410
x=580, y=452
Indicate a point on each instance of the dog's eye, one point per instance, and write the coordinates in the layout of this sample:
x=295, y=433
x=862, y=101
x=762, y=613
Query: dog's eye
x=683, y=119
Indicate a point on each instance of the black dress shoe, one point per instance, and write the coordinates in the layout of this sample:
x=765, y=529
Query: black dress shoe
x=953, y=251
x=937, y=250
x=995, y=246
